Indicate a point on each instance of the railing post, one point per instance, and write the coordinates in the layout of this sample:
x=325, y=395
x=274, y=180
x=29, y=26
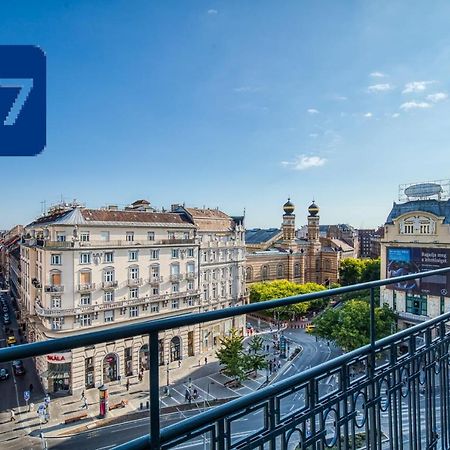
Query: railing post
x=154, y=391
x=373, y=429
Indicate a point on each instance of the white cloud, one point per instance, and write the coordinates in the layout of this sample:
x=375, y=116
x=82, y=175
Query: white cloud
x=415, y=105
x=377, y=75
x=395, y=115
x=304, y=162
x=416, y=86
x=213, y=12
x=312, y=111
x=247, y=89
x=368, y=115
x=340, y=98
x=438, y=97
x=383, y=87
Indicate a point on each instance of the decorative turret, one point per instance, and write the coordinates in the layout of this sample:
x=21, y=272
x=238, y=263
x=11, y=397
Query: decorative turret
x=288, y=207
x=313, y=209
x=313, y=224
x=288, y=222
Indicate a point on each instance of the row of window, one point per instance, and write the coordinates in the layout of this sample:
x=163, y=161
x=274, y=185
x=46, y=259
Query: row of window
x=221, y=255
x=86, y=320
x=108, y=257
x=85, y=236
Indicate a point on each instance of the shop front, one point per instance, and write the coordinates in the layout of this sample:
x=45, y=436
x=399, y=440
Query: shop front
x=58, y=373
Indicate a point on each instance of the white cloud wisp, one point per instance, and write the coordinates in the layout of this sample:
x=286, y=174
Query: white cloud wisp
x=304, y=162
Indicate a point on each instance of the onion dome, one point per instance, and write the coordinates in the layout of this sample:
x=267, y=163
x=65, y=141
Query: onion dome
x=289, y=207
x=313, y=209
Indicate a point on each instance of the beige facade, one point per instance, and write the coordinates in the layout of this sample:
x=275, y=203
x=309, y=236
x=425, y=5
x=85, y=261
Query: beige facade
x=279, y=255
x=84, y=270
x=416, y=238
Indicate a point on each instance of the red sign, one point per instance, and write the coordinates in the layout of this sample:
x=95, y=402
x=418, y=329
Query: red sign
x=59, y=358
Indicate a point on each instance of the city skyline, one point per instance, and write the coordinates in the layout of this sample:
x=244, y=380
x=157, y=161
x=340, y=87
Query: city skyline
x=240, y=107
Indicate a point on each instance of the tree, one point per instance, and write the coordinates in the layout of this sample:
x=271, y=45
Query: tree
x=350, y=271
x=371, y=270
x=255, y=360
x=349, y=326
x=231, y=355
x=270, y=290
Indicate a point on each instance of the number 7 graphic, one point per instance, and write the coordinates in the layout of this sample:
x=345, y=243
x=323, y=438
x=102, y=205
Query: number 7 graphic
x=25, y=85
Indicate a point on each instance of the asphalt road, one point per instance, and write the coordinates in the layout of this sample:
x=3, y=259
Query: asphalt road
x=314, y=353
x=12, y=389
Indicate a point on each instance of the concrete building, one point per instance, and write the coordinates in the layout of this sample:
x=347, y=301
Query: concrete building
x=276, y=254
x=416, y=239
x=86, y=269
x=365, y=237
x=10, y=259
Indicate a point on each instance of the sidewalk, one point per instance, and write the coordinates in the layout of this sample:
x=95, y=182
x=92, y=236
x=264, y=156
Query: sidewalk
x=193, y=373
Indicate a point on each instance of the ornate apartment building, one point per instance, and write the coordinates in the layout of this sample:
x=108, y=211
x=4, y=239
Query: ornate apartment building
x=417, y=239
x=86, y=269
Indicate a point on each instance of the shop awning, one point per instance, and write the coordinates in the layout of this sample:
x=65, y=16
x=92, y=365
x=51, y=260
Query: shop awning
x=58, y=371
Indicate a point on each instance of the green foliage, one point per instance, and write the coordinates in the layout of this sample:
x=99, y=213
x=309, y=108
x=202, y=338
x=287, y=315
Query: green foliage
x=255, y=360
x=269, y=290
x=353, y=270
x=349, y=326
x=231, y=355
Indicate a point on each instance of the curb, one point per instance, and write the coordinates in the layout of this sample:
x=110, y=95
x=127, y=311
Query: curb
x=90, y=425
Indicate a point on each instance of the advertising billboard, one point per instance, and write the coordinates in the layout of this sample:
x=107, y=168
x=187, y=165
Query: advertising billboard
x=407, y=260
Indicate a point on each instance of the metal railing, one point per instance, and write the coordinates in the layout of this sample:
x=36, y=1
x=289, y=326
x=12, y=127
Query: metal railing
x=393, y=393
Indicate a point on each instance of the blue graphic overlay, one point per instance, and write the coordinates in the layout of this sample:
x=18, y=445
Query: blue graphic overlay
x=22, y=100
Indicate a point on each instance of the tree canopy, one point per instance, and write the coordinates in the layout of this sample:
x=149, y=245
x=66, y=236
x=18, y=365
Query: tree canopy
x=349, y=325
x=269, y=290
x=354, y=270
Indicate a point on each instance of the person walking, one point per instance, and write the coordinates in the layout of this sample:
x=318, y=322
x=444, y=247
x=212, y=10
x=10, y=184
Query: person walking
x=82, y=395
x=187, y=395
x=206, y=360
x=12, y=416
x=128, y=384
x=85, y=404
x=31, y=388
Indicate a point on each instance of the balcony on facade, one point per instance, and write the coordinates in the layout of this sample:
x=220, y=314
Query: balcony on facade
x=66, y=312
x=108, y=285
x=191, y=275
x=86, y=287
x=134, y=282
x=391, y=393
x=54, y=288
x=61, y=245
x=154, y=280
x=176, y=277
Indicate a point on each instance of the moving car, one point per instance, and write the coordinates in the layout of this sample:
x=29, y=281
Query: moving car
x=11, y=340
x=18, y=367
x=310, y=328
x=4, y=375
x=6, y=319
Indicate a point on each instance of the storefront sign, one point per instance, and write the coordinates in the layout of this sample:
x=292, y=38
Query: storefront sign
x=59, y=358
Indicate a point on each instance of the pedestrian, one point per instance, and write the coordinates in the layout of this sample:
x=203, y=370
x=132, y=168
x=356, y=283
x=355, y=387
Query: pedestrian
x=82, y=395
x=128, y=384
x=279, y=364
x=179, y=363
x=206, y=360
x=190, y=398
x=31, y=388
x=85, y=404
x=187, y=395
x=12, y=416
x=140, y=376
x=195, y=394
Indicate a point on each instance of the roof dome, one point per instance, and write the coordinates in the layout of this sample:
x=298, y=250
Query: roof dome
x=289, y=207
x=313, y=209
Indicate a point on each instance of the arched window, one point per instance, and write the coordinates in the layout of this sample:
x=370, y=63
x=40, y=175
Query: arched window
x=144, y=359
x=280, y=270
x=55, y=278
x=110, y=368
x=327, y=264
x=175, y=349
x=297, y=270
x=317, y=264
x=264, y=272
x=248, y=273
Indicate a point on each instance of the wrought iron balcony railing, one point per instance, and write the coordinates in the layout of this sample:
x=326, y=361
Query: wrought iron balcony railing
x=86, y=287
x=392, y=393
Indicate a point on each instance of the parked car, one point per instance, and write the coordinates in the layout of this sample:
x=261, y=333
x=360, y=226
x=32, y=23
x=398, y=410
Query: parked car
x=6, y=319
x=5, y=309
x=18, y=367
x=11, y=340
x=4, y=375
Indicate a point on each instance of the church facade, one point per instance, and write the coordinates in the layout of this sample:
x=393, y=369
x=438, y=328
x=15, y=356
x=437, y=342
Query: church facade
x=278, y=254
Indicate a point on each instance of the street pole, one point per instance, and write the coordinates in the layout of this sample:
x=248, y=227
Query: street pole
x=167, y=380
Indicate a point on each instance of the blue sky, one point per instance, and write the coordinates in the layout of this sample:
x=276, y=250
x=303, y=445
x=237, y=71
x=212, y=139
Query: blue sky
x=236, y=104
